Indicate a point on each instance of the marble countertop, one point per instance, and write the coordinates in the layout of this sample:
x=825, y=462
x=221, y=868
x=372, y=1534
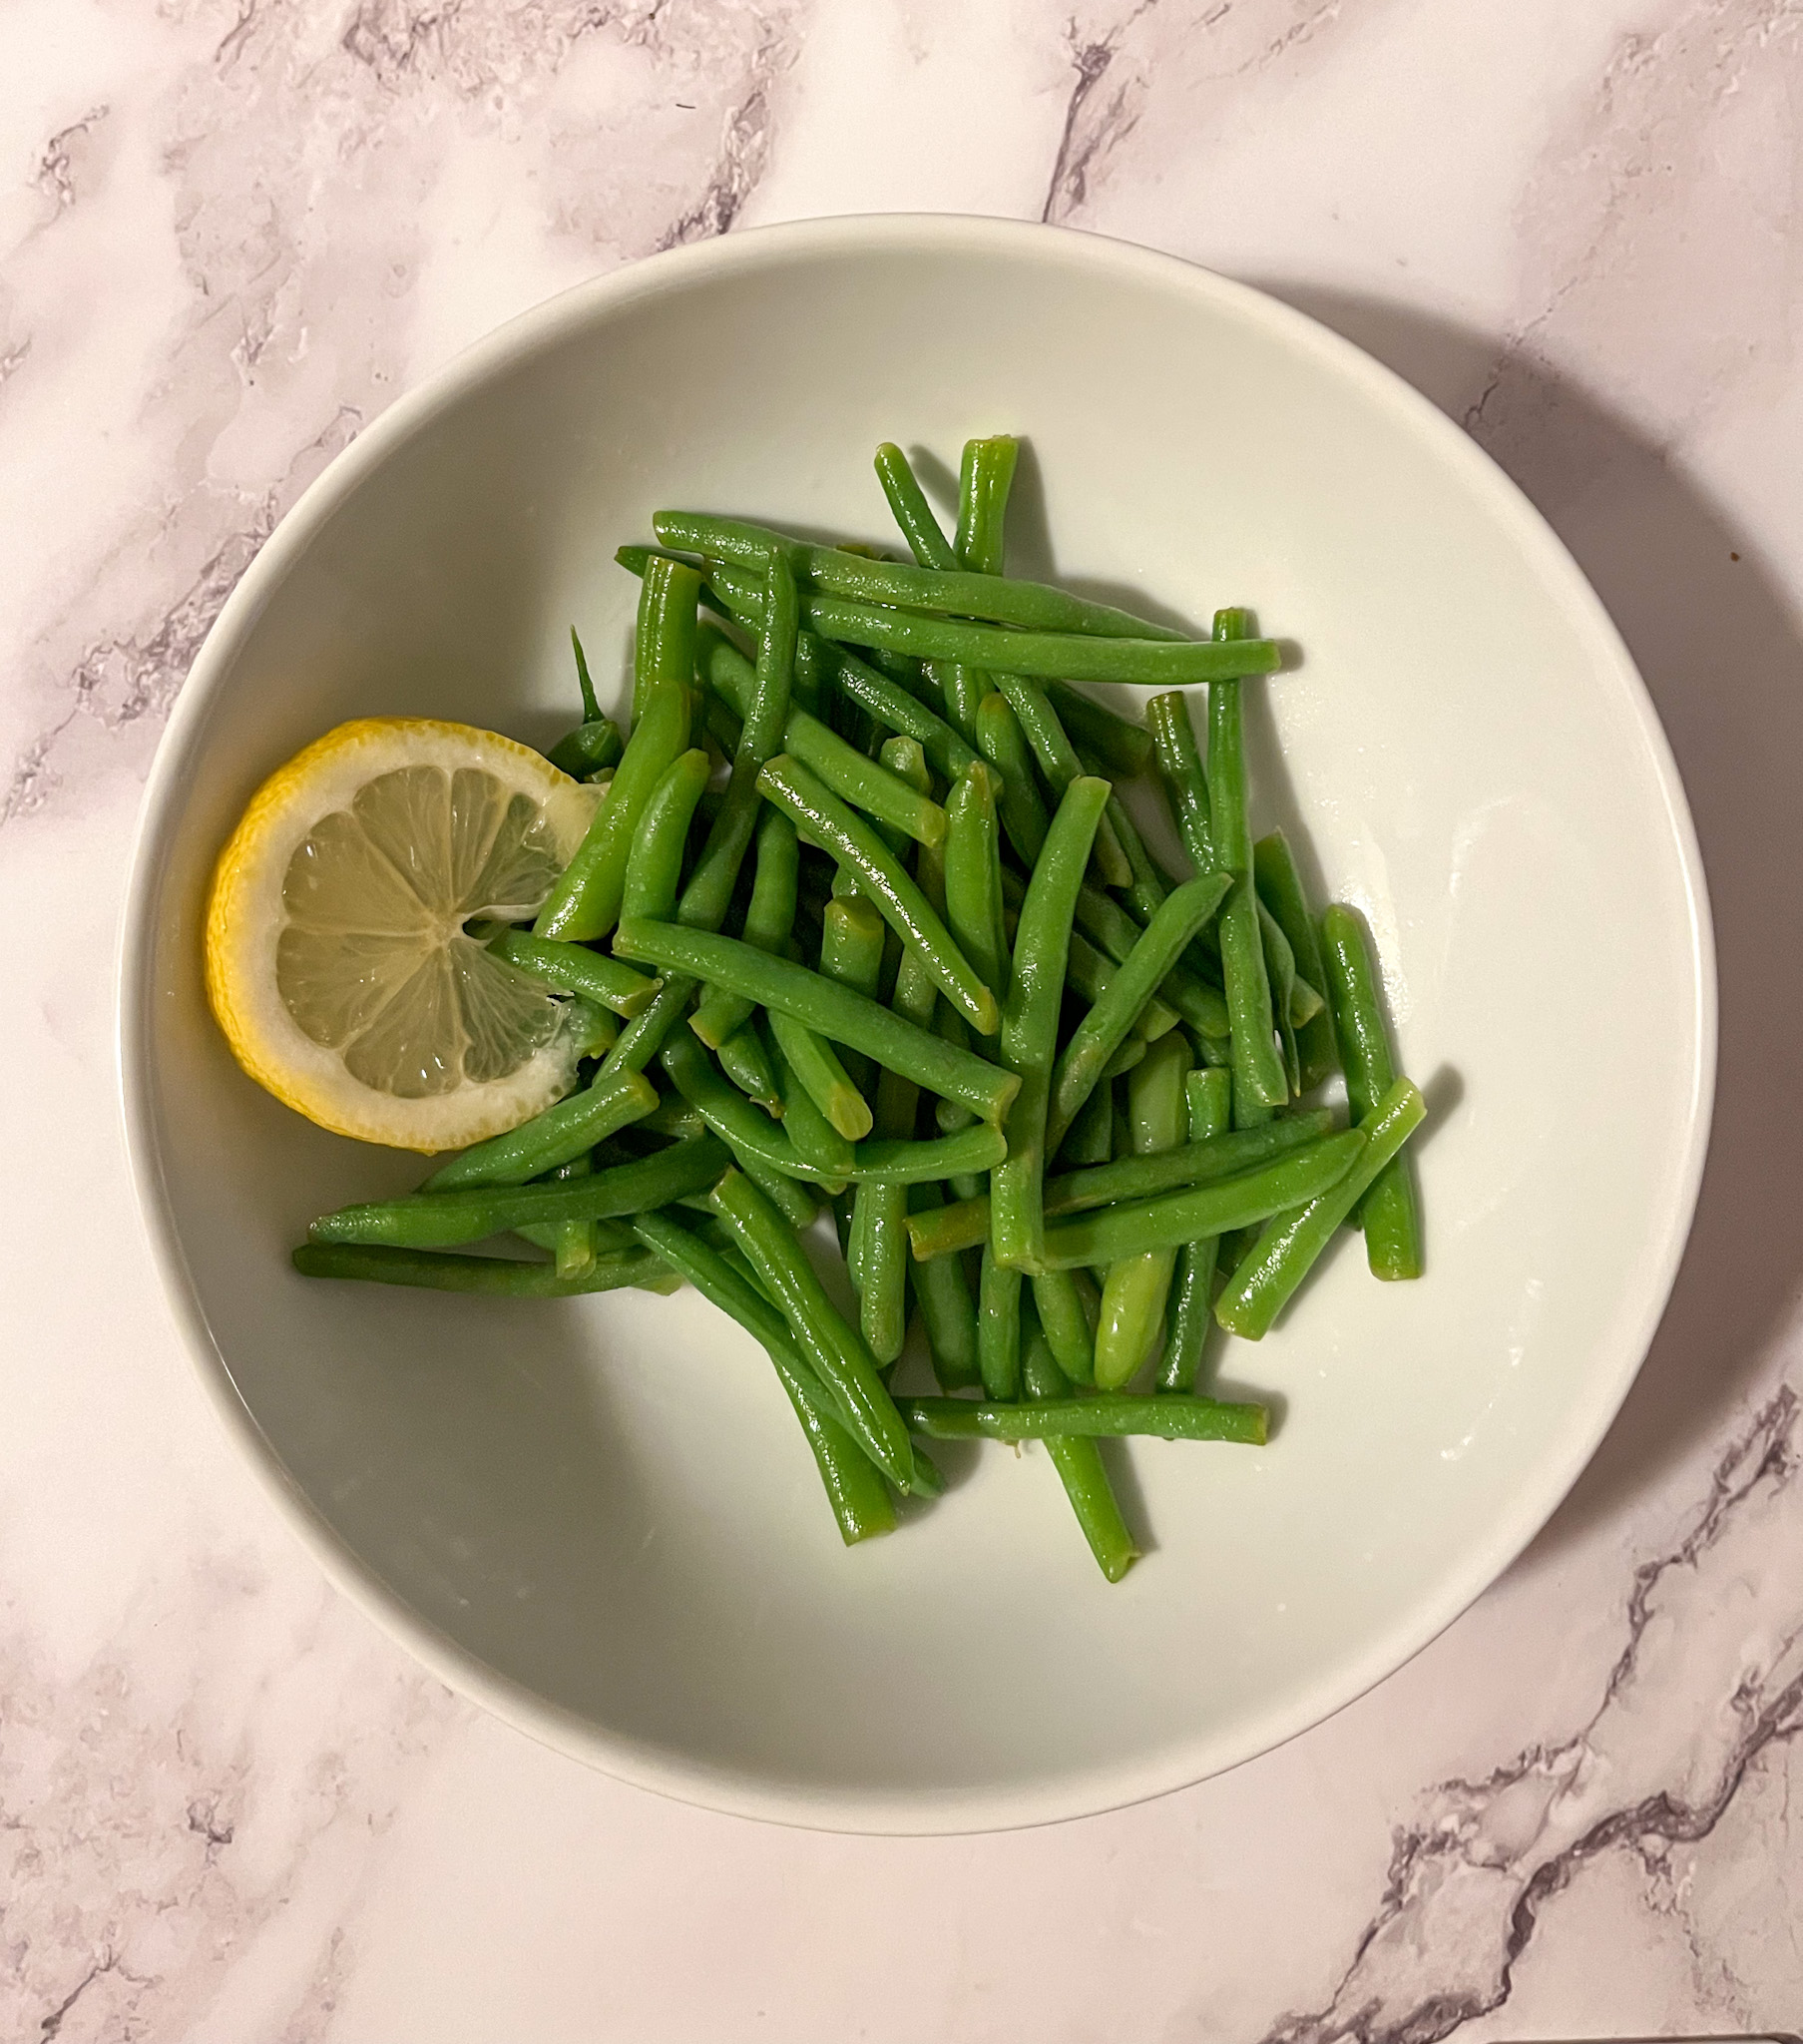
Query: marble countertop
x=234, y=230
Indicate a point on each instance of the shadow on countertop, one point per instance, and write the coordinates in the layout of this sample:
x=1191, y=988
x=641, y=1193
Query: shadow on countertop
x=1720, y=649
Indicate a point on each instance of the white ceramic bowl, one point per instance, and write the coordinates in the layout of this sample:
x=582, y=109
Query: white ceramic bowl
x=598, y=1517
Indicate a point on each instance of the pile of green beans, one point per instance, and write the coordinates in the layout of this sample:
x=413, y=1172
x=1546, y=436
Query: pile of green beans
x=867, y=921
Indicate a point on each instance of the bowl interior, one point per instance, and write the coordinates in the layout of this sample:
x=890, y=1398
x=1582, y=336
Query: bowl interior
x=599, y=1515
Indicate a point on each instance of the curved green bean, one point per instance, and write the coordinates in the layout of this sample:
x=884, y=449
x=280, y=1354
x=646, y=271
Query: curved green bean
x=907, y=500
x=1058, y=1299
x=745, y=1060
x=1291, y=1241
x=1029, y=1036
x=653, y=866
x=821, y=816
x=1392, y=1223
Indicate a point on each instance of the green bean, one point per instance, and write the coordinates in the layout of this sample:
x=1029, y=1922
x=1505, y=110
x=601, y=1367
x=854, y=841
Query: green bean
x=663, y=647
x=947, y=1311
x=867, y=786
x=1280, y=971
x=899, y=1161
x=821, y=816
x=1392, y=1223
x=653, y=866
x=926, y=540
x=852, y=939
x=591, y=702
x=585, y=901
x=835, y=1348
x=1105, y=1028
x=425, y=1220
x=1089, y=975
x=490, y=1276
x=575, y=1123
x=999, y=1328
x=575, y=969
x=835, y=1011
x=985, y=476
x=972, y=593
x=591, y=1031
x=747, y=1062
x=1077, y=1459
x=1160, y=1416
x=1058, y=764
x=574, y=1244
x=673, y=1115
x=1185, y=779
x=1058, y=1299
x=727, y=671
x=746, y=1130
x=1099, y=734
x=1125, y=1058
x=1136, y=1289
x=589, y=750
x=826, y=1081
x=1029, y=1037
x=1290, y=1242
x=973, y=875
x=854, y=1486
x=1209, y=1097
x=769, y=921
x=1092, y=1137
x=1063, y=655
x=1116, y=932
x=1258, y=1073
x=821, y=1149
x=1290, y=1181
x=765, y=719
x=1001, y=741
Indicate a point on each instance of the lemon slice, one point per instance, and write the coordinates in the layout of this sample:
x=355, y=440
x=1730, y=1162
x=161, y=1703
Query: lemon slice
x=338, y=961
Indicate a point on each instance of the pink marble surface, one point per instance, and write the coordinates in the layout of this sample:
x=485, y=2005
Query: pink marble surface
x=230, y=1810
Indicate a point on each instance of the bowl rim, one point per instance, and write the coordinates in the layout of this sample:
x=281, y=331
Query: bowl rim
x=1052, y=1797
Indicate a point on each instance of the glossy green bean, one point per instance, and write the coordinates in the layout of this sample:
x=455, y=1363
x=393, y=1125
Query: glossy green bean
x=900, y=1162
x=985, y=477
x=907, y=500
x=1125, y=1058
x=1210, y=1208
x=1077, y=1459
x=948, y=1314
x=852, y=940
x=1391, y=1220
x=835, y=1011
x=585, y=901
x=1099, y=734
x=822, y=816
x=1185, y=777
x=973, y=875
x=1021, y=808
x=484, y=1277
x=969, y=593
x=1115, y=932
x=769, y=923
x=589, y=750
x=575, y=969
x=1105, y=1028
x=1028, y=1035
x=823, y=1150
x=746, y=1130
x=999, y=1328
x=1061, y=655
x=816, y=1065
x=1058, y=764
x=836, y=1349
x=1260, y=1079
x=1089, y=975
x=1092, y=1137
x=1161, y=1416
x=575, y=1123
x=664, y=645
x=653, y=867
x=863, y=783
x=745, y=1061
x=1210, y=1098
x=1059, y=1303
x=860, y=1500
x=1137, y=1288
x=1290, y=1242
x=425, y=1220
